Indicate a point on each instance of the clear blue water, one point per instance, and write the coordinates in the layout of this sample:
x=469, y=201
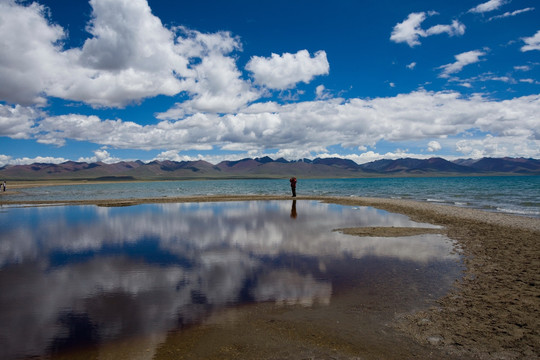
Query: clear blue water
x=512, y=194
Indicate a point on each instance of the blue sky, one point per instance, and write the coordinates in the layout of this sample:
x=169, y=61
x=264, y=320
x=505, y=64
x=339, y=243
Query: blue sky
x=111, y=80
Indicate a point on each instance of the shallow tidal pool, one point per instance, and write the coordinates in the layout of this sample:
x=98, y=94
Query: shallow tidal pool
x=155, y=276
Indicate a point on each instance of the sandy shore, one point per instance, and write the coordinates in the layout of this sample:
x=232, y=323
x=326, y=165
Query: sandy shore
x=493, y=312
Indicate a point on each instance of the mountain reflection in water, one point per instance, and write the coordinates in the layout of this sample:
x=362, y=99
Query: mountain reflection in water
x=84, y=275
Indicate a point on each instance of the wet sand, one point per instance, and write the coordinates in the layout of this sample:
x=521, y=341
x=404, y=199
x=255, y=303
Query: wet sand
x=493, y=312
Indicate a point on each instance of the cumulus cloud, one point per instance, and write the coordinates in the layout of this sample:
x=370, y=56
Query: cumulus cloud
x=17, y=122
x=173, y=155
x=533, y=42
x=284, y=71
x=434, y=146
x=409, y=31
x=322, y=93
x=304, y=127
x=142, y=42
x=143, y=63
x=462, y=60
x=120, y=63
x=55, y=130
x=488, y=6
x=216, y=84
x=101, y=155
x=5, y=159
x=492, y=146
x=29, y=59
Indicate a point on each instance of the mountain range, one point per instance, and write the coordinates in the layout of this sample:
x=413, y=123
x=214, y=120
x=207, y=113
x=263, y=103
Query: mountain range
x=267, y=167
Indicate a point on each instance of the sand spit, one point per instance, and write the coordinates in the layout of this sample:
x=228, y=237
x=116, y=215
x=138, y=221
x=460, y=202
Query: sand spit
x=387, y=231
x=493, y=312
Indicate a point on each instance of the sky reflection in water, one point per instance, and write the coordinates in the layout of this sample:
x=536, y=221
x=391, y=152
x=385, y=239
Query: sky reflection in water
x=73, y=275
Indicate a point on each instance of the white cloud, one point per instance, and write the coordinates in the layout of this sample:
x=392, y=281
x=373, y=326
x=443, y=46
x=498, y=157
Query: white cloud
x=533, y=42
x=488, y=6
x=409, y=31
x=488, y=76
x=17, y=121
x=101, y=155
x=218, y=87
x=303, y=129
x=462, y=60
x=369, y=156
x=411, y=65
x=143, y=64
x=321, y=93
x=126, y=35
x=29, y=53
x=4, y=160
x=491, y=146
x=120, y=63
x=509, y=14
x=173, y=155
x=522, y=68
x=506, y=79
x=216, y=84
x=283, y=72
x=529, y=81
x=456, y=28
x=434, y=146
x=309, y=127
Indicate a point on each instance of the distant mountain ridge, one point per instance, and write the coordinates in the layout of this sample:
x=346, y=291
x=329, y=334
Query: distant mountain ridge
x=267, y=167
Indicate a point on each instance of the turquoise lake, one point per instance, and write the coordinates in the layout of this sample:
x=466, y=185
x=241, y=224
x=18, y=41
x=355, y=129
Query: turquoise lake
x=509, y=194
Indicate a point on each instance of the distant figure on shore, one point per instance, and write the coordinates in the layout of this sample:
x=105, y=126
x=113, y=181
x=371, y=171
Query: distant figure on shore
x=293, y=186
x=4, y=186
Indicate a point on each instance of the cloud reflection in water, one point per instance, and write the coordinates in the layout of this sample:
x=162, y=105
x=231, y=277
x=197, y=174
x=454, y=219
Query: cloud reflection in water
x=147, y=269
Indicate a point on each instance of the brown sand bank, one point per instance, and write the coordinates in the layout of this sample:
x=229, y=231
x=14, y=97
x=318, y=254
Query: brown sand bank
x=492, y=313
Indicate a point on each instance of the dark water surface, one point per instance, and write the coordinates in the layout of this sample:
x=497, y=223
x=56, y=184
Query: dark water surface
x=86, y=276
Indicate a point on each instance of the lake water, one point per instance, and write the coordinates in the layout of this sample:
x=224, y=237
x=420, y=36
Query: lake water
x=82, y=277
x=510, y=194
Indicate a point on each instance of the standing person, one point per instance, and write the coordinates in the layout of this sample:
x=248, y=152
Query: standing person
x=4, y=186
x=293, y=186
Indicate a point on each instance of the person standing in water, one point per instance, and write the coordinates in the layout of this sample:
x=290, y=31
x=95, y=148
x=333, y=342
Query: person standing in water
x=293, y=186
